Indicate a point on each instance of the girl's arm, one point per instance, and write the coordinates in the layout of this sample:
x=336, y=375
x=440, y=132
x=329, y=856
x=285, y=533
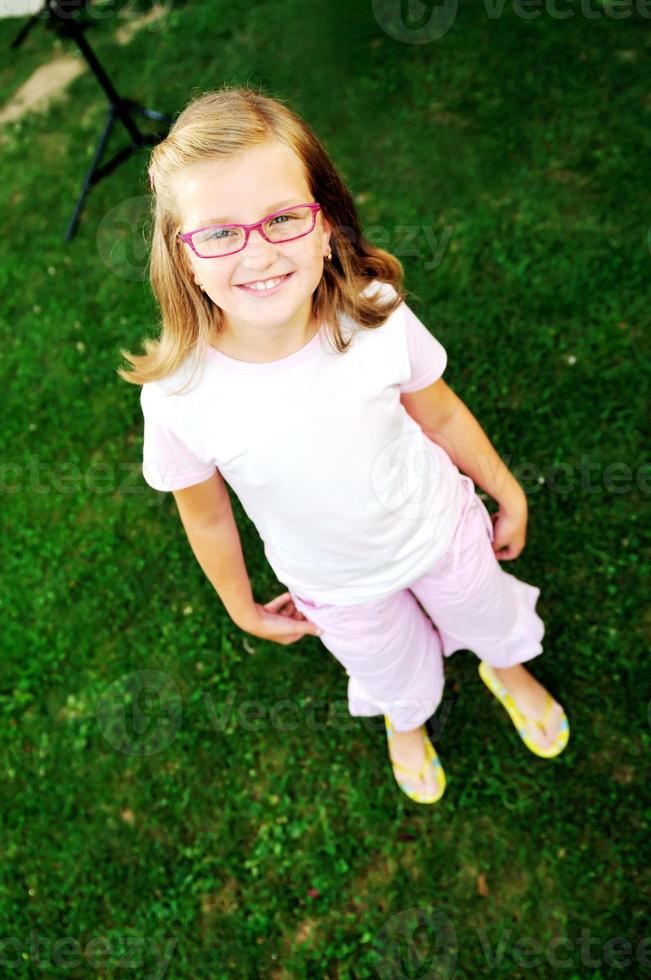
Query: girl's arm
x=446, y=420
x=207, y=516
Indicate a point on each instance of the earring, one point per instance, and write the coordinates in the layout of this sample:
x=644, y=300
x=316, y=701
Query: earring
x=329, y=255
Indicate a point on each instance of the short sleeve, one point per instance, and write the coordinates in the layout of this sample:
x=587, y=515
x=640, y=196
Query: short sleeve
x=168, y=463
x=428, y=357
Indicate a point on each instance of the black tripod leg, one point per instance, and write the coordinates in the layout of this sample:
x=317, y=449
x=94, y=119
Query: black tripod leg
x=158, y=116
x=151, y=113
x=25, y=29
x=89, y=179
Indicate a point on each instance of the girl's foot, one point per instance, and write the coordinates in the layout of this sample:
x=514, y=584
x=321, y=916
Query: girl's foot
x=531, y=700
x=408, y=749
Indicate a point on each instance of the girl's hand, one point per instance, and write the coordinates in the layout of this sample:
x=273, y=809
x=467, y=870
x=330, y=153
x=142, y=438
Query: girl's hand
x=510, y=527
x=279, y=620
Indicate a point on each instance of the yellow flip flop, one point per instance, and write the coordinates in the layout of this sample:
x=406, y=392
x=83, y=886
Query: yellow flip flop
x=431, y=759
x=520, y=720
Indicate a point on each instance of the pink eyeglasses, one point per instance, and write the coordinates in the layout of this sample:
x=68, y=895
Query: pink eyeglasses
x=216, y=241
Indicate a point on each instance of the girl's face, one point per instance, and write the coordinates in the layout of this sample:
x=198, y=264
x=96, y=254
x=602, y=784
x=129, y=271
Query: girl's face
x=242, y=190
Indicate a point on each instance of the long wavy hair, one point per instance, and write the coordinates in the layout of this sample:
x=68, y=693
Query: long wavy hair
x=215, y=126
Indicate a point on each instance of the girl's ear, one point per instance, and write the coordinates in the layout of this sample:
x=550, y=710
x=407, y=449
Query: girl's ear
x=189, y=268
x=327, y=233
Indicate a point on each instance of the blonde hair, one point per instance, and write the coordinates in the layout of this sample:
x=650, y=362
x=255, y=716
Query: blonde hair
x=215, y=126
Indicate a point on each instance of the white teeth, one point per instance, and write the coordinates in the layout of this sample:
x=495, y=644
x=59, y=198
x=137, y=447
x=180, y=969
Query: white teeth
x=265, y=285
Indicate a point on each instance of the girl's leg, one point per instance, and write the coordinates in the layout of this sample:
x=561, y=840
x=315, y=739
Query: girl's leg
x=531, y=699
x=391, y=653
x=393, y=659
x=476, y=605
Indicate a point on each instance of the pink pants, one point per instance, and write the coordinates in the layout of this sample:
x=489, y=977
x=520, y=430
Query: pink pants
x=393, y=648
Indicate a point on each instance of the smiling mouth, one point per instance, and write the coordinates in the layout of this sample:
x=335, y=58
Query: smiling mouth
x=265, y=285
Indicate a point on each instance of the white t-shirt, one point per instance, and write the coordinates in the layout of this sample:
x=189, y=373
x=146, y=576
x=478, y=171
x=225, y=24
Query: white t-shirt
x=350, y=497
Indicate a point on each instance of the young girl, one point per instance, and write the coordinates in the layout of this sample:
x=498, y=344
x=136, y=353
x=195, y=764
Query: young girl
x=291, y=368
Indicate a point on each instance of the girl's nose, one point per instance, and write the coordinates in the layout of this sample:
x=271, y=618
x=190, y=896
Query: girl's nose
x=257, y=244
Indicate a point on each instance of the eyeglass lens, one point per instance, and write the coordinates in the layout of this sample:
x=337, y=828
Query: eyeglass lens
x=221, y=240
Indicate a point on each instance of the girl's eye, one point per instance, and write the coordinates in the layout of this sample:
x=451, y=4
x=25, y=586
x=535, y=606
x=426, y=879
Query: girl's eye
x=288, y=217
x=220, y=233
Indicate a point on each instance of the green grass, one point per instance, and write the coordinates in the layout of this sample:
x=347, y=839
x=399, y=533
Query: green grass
x=263, y=850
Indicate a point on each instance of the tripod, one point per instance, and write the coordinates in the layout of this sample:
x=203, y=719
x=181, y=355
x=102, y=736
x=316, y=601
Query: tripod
x=60, y=20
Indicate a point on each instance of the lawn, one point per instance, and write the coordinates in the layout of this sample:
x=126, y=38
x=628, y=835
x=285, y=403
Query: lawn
x=181, y=799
